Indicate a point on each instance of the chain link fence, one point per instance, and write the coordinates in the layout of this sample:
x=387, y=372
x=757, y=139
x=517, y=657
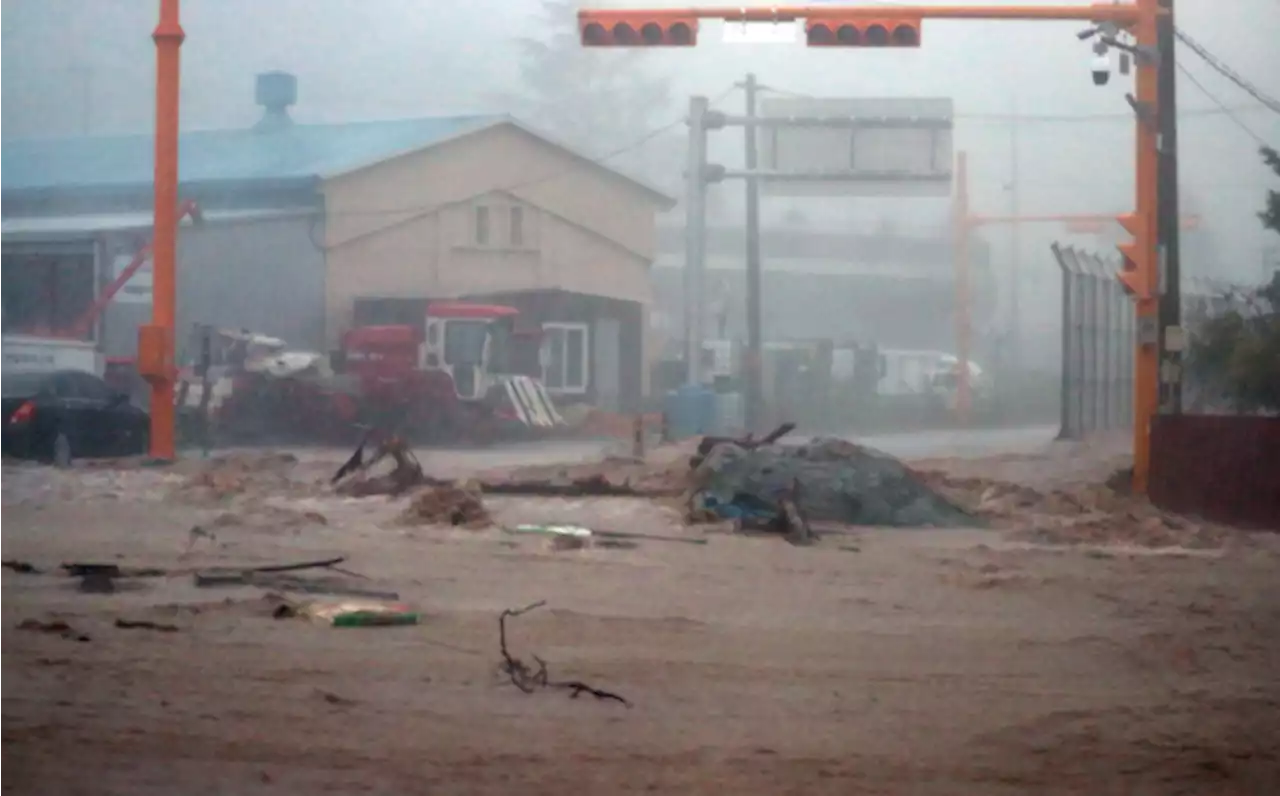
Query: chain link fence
x=1097, y=345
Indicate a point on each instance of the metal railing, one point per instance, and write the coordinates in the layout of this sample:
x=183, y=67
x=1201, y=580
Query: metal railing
x=1097, y=345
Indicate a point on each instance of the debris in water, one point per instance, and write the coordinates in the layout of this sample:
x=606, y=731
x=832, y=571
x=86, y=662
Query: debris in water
x=529, y=679
x=143, y=624
x=57, y=626
x=459, y=504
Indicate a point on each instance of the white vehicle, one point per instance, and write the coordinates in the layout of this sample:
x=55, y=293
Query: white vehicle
x=944, y=380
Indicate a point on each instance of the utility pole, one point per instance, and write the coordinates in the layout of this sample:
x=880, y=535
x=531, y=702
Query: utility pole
x=755, y=345
x=695, y=226
x=1167, y=224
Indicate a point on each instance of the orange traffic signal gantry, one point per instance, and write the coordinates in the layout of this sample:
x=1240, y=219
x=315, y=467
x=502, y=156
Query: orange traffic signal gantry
x=840, y=32
x=651, y=29
x=899, y=25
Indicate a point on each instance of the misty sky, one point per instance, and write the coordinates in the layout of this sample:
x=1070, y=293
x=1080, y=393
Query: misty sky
x=71, y=66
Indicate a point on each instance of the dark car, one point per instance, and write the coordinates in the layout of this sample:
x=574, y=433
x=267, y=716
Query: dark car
x=60, y=415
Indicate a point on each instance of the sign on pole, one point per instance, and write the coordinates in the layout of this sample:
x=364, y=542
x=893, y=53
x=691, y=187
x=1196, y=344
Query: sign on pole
x=893, y=146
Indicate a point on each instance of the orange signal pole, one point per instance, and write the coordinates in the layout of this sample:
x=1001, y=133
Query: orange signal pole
x=1146, y=362
x=156, y=345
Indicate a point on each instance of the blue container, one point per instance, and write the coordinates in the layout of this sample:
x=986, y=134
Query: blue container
x=690, y=410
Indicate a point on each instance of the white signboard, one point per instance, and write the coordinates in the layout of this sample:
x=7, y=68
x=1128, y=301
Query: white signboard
x=138, y=289
x=897, y=146
x=24, y=352
x=762, y=33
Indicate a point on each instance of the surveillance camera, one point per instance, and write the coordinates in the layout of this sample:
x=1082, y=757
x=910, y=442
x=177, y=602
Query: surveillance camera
x=1101, y=69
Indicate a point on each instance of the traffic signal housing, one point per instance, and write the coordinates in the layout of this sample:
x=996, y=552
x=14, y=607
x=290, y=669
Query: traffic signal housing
x=836, y=32
x=630, y=29
x=1135, y=271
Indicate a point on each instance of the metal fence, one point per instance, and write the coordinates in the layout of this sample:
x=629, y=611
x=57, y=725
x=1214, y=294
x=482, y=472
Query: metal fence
x=1097, y=345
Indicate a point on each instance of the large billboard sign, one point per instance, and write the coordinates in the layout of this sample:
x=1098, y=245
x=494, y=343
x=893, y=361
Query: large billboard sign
x=893, y=146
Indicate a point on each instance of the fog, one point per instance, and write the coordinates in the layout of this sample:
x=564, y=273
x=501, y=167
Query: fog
x=73, y=67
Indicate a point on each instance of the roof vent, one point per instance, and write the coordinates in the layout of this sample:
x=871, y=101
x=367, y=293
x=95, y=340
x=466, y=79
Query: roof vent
x=276, y=91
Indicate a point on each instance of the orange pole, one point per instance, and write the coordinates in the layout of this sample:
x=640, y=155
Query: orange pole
x=963, y=311
x=168, y=37
x=1146, y=374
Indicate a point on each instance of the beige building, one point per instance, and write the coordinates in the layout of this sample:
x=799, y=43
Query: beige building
x=501, y=213
x=309, y=229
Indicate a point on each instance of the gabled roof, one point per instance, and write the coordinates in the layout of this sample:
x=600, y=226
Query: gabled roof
x=292, y=152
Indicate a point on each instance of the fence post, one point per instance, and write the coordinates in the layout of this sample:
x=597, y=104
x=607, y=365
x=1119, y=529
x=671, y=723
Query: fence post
x=1102, y=383
x=1123, y=346
x=1091, y=346
x=1130, y=341
x=1081, y=375
x=1064, y=385
x=1107, y=391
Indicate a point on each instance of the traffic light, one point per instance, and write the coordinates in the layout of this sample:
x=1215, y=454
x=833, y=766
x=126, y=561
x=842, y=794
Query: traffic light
x=836, y=32
x=1136, y=269
x=631, y=29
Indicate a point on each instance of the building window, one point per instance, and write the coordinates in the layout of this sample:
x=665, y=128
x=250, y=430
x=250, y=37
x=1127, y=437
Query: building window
x=565, y=368
x=482, y=225
x=517, y=226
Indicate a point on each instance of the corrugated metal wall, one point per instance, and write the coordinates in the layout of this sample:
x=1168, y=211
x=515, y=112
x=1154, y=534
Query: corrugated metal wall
x=266, y=275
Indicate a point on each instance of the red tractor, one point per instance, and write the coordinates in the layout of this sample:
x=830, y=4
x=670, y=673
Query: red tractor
x=453, y=378
x=461, y=375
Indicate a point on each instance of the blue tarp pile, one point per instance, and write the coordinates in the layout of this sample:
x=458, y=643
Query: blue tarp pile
x=835, y=480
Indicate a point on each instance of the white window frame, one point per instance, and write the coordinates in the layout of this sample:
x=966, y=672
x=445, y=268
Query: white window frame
x=545, y=355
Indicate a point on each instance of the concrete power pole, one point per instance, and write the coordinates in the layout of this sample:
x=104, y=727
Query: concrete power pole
x=695, y=227
x=1167, y=218
x=755, y=345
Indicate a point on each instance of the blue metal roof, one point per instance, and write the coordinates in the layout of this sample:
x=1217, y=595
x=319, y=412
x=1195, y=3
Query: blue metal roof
x=293, y=152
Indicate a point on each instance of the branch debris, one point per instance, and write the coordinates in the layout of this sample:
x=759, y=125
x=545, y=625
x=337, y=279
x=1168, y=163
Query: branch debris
x=529, y=679
x=353, y=479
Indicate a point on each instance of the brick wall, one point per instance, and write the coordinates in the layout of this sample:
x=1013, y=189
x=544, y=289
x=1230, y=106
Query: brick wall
x=1224, y=468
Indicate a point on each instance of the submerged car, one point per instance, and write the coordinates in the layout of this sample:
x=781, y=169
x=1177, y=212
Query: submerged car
x=65, y=414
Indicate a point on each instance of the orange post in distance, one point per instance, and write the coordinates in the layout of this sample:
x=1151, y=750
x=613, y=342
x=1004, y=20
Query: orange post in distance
x=156, y=343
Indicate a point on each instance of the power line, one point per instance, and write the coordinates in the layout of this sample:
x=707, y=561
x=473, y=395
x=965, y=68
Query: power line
x=1195, y=81
x=1227, y=72
x=599, y=160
